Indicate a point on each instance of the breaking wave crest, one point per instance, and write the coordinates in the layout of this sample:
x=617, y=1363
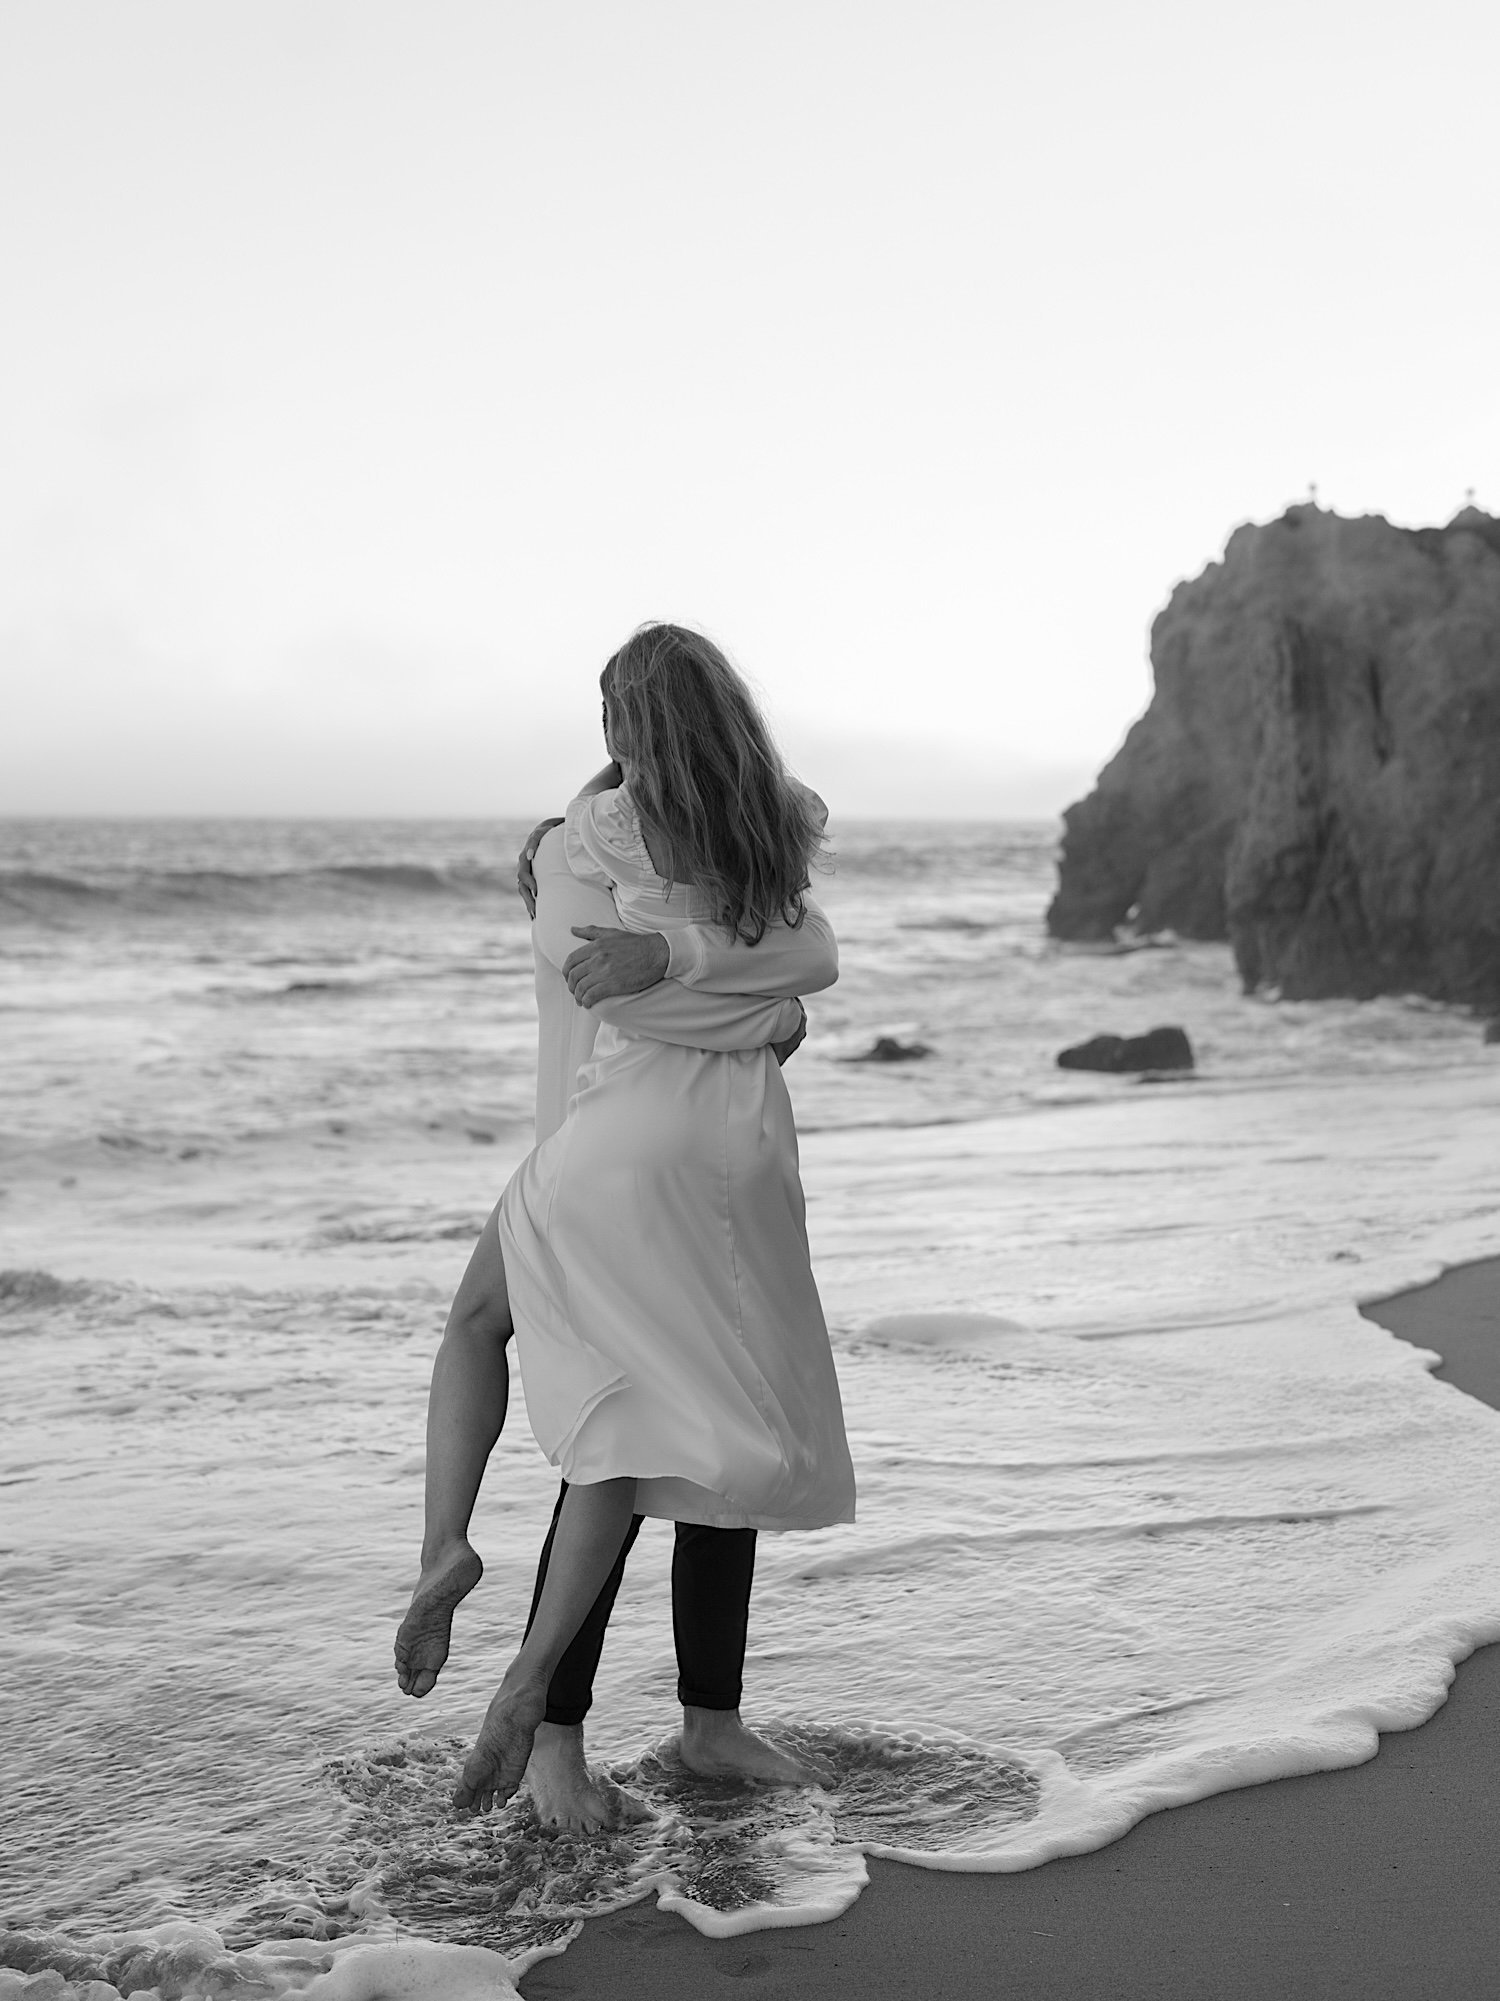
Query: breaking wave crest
x=27, y=894
x=23, y=1291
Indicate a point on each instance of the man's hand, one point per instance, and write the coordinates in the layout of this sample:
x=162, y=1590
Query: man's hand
x=782, y=1050
x=525, y=880
x=614, y=963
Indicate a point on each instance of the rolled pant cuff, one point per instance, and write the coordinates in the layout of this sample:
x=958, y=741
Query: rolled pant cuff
x=701, y=1698
x=567, y=1716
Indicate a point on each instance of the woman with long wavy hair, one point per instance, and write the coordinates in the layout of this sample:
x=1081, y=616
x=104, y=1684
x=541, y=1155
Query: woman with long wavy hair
x=651, y=1252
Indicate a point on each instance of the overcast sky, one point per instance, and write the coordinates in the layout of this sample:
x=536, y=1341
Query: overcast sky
x=368, y=371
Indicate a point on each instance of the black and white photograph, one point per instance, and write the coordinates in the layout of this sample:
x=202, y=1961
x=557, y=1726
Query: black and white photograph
x=749, y=1000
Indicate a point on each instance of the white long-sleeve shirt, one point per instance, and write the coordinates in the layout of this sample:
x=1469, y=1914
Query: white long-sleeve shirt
x=708, y=1005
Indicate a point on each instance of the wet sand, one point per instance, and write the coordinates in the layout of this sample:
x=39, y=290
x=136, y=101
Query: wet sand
x=1376, y=1883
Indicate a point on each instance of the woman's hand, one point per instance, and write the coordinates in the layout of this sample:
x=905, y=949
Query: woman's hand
x=782, y=1050
x=525, y=880
x=614, y=963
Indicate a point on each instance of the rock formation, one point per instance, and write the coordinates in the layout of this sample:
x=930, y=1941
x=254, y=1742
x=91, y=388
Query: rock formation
x=887, y=1049
x=1317, y=777
x=1157, y=1049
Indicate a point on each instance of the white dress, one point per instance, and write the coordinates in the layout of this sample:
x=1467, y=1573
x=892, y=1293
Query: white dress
x=655, y=1242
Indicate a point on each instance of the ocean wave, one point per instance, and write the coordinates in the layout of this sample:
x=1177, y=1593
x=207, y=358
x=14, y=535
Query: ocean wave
x=33, y=894
x=945, y=1330
x=370, y=984
x=407, y=1229
x=22, y=1290
x=18, y=882
x=923, y=849
x=1119, y=947
x=417, y=878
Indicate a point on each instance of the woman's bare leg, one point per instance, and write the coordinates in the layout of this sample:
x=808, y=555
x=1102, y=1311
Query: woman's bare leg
x=568, y=1792
x=590, y=1529
x=465, y=1413
x=565, y=1792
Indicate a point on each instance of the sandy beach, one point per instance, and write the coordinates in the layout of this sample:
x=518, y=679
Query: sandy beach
x=1375, y=1881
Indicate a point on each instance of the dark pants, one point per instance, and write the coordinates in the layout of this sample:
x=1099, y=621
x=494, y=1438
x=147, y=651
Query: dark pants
x=712, y=1570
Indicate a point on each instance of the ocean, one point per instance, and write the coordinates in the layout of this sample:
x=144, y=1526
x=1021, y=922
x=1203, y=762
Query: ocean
x=1146, y=1509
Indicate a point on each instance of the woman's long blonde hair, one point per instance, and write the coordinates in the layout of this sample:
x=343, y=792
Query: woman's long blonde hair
x=706, y=773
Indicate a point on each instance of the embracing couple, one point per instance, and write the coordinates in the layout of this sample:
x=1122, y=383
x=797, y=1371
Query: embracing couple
x=650, y=1254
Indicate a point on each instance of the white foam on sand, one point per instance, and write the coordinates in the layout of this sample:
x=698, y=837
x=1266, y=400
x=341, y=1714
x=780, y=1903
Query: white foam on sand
x=178, y=1958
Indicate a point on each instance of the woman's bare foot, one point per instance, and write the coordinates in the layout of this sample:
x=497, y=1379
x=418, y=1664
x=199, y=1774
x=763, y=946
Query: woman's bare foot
x=716, y=1745
x=497, y=1764
x=422, y=1639
x=567, y=1794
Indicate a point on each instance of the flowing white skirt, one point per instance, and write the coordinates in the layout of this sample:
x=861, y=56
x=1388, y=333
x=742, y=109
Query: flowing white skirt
x=666, y=1316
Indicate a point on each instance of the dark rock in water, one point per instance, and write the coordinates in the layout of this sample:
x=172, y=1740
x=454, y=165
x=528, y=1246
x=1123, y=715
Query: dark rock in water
x=886, y=1049
x=1317, y=778
x=1492, y=1030
x=1158, y=1049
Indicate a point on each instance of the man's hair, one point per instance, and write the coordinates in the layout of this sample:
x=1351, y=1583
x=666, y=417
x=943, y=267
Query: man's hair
x=707, y=775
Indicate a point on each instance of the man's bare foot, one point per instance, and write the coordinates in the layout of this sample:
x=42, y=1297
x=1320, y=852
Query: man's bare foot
x=497, y=1764
x=716, y=1745
x=567, y=1794
x=422, y=1639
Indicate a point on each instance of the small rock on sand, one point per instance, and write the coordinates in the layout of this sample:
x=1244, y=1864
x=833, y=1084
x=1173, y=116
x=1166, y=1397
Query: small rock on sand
x=886, y=1049
x=1157, y=1049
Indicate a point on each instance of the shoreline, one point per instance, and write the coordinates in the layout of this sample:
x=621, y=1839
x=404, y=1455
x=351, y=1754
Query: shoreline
x=1375, y=1882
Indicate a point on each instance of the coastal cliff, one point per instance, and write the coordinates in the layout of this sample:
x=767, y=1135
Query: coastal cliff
x=1317, y=777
